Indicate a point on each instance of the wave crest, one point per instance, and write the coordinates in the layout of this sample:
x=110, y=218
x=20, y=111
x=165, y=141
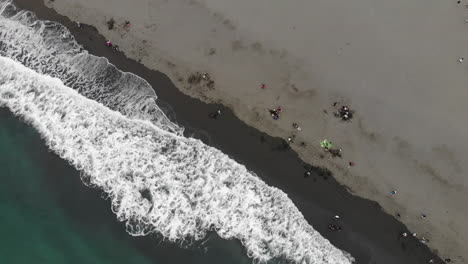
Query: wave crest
x=159, y=181
x=49, y=48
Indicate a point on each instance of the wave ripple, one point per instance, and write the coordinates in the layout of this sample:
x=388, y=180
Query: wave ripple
x=159, y=181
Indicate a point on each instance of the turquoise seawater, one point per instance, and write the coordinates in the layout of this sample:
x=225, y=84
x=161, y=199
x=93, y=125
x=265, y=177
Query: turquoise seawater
x=49, y=216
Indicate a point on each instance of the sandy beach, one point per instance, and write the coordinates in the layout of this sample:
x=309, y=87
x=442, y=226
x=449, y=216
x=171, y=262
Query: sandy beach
x=395, y=63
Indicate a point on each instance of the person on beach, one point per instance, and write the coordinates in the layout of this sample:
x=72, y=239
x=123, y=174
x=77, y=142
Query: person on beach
x=263, y=86
x=461, y=60
x=216, y=114
x=393, y=192
x=274, y=113
x=108, y=43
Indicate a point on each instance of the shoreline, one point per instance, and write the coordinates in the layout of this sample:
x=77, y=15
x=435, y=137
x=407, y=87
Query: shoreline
x=377, y=57
x=362, y=237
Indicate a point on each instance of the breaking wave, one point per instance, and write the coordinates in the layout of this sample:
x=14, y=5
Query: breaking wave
x=159, y=181
x=49, y=48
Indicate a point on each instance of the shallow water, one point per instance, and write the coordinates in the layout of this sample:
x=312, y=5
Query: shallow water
x=48, y=216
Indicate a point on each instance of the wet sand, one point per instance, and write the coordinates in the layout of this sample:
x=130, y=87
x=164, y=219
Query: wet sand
x=369, y=234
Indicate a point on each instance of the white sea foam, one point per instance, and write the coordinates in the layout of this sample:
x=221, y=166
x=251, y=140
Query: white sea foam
x=159, y=181
x=49, y=48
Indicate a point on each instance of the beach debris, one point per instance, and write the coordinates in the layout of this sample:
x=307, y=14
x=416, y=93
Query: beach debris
x=404, y=234
x=78, y=24
x=398, y=215
x=431, y=261
x=302, y=144
x=326, y=144
x=291, y=139
x=127, y=23
x=423, y=240
x=351, y=164
x=110, y=24
x=334, y=227
x=212, y=51
x=460, y=60
x=335, y=152
x=195, y=78
x=393, y=192
x=447, y=260
x=307, y=174
x=296, y=126
x=414, y=234
x=423, y=216
x=337, y=217
x=115, y=48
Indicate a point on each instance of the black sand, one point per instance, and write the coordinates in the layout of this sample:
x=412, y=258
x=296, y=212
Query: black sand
x=369, y=234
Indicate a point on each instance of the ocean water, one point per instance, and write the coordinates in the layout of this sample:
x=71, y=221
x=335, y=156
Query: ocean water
x=106, y=124
x=48, y=216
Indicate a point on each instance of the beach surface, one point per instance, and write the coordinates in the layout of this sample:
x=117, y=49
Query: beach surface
x=395, y=63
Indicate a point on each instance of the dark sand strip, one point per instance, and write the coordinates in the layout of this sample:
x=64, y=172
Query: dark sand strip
x=369, y=234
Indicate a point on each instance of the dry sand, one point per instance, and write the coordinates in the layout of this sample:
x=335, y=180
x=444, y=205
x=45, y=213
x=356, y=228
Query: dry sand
x=394, y=62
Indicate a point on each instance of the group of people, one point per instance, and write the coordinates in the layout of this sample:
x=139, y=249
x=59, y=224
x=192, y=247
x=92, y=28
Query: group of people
x=344, y=113
x=275, y=112
x=110, y=24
